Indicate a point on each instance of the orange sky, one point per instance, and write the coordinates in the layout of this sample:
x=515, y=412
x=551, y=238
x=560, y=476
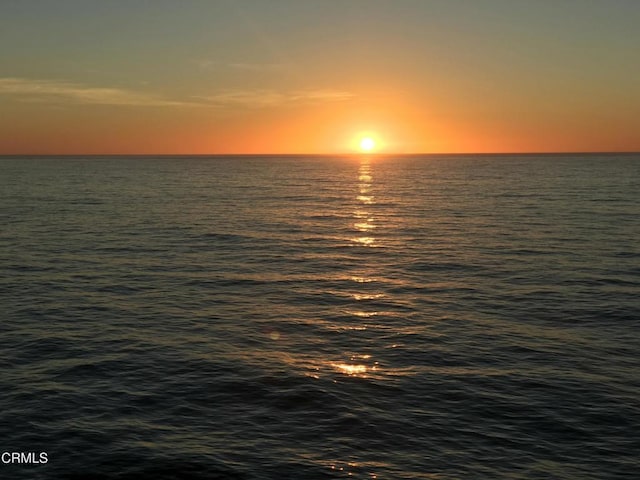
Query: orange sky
x=85, y=77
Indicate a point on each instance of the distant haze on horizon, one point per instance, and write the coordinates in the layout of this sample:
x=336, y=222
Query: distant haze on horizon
x=311, y=76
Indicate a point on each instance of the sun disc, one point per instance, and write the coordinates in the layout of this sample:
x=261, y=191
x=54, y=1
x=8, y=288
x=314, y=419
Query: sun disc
x=367, y=144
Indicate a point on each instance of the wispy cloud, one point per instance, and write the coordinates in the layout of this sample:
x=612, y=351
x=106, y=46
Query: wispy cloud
x=256, y=66
x=54, y=91
x=270, y=98
x=206, y=64
x=61, y=91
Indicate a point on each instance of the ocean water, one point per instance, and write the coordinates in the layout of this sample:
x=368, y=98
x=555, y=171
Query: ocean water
x=435, y=317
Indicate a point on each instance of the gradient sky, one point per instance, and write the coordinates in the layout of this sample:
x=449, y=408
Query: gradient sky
x=312, y=76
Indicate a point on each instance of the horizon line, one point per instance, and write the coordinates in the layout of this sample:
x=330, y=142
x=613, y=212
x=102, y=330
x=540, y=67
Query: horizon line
x=300, y=154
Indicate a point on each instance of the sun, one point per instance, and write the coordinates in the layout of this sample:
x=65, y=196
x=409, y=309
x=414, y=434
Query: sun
x=367, y=144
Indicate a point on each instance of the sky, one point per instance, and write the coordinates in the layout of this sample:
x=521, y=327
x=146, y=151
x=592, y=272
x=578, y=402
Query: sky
x=316, y=76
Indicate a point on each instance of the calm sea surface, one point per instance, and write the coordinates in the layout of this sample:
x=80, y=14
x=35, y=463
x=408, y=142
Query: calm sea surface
x=321, y=317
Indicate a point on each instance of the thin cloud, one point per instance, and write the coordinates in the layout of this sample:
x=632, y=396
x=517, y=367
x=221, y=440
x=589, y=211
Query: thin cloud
x=60, y=91
x=268, y=98
x=256, y=67
x=206, y=64
x=54, y=91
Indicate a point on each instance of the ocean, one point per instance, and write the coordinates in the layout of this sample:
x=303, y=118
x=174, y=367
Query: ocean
x=320, y=317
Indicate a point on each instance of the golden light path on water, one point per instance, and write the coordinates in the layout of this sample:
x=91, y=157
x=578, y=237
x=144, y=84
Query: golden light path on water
x=364, y=220
x=361, y=315
x=364, y=223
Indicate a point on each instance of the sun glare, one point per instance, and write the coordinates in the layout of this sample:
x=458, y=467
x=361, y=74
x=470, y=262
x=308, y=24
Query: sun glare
x=367, y=144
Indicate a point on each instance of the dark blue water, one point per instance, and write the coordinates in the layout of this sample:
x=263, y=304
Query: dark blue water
x=318, y=318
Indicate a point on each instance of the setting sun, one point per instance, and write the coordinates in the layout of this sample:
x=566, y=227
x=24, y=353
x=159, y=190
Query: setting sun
x=367, y=144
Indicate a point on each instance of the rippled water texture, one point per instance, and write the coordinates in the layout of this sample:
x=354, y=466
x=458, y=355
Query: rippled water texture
x=317, y=318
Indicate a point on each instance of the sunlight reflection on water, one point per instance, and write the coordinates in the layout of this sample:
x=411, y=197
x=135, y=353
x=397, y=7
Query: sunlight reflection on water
x=364, y=219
